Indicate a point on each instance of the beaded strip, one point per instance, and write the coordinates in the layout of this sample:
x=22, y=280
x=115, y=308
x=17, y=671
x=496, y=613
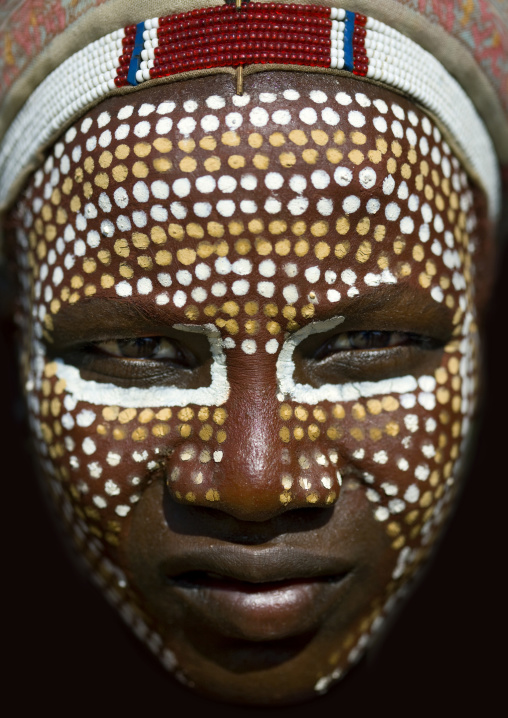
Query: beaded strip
x=254, y=33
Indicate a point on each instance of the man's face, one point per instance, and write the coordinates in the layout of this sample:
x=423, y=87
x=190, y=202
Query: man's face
x=250, y=356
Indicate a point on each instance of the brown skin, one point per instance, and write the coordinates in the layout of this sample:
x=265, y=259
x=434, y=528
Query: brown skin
x=304, y=572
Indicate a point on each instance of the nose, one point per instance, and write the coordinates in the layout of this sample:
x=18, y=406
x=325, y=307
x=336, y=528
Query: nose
x=256, y=458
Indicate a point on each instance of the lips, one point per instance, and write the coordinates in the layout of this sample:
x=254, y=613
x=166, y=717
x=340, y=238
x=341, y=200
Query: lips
x=254, y=594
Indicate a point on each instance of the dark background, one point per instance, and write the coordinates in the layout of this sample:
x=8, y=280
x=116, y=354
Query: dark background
x=68, y=653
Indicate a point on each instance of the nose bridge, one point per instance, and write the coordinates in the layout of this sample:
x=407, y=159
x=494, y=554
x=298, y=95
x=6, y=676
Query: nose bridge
x=266, y=457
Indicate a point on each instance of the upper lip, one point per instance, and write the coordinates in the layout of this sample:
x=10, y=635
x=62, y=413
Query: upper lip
x=256, y=565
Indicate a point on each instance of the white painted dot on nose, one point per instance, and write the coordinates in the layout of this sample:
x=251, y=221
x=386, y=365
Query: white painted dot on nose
x=291, y=95
x=249, y=346
x=271, y=346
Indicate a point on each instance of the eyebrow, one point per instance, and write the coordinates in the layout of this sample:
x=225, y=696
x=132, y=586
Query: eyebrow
x=387, y=307
x=84, y=320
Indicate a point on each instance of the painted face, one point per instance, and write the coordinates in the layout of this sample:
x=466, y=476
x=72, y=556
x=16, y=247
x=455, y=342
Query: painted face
x=250, y=359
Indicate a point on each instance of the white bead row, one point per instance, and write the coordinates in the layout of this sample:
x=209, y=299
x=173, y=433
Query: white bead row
x=395, y=60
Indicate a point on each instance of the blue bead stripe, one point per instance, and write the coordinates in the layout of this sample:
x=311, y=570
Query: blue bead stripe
x=348, y=41
x=135, y=62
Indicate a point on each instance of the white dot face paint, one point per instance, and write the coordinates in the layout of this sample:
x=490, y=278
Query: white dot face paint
x=264, y=239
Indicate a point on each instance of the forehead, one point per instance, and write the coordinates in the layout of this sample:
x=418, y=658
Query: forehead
x=153, y=193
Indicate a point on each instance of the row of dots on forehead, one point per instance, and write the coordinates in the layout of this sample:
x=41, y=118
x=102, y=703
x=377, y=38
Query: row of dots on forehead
x=160, y=189
x=451, y=258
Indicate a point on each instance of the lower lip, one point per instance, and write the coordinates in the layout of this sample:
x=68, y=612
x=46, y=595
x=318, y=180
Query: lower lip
x=261, y=612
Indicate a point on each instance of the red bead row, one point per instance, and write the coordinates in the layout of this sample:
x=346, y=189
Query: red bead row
x=240, y=58
x=181, y=42
x=239, y=47
x=360, y=59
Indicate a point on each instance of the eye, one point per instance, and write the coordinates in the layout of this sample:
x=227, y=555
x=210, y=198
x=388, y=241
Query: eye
x=150, y=348
x=367, y=340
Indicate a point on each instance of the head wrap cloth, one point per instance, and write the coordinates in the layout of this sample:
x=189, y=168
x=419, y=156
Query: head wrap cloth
x=468, y=37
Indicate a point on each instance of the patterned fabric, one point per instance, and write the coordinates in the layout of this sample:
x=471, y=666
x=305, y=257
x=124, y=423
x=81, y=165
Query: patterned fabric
x=28, y=26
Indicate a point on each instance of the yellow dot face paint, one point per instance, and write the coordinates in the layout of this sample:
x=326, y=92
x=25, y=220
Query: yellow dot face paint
x=247, y=312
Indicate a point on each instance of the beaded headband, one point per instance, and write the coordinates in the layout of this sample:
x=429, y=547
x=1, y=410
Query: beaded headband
x=243, y=33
